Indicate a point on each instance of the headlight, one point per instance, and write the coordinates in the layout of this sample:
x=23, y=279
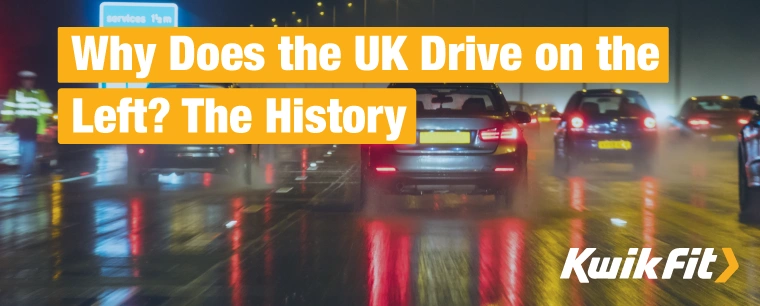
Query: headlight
x=55, y=117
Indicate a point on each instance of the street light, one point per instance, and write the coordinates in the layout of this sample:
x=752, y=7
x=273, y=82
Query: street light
x=319, y=3
x=298, y=20
x=293, y=13
x=350, y=4
x=275, y=25
x=274, y=19
x=321, y=13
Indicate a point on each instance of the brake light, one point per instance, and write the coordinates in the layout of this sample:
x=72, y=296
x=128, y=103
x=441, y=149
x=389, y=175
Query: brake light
x=533, y=120
x=495, y=134
x=504, y=169
x=743, y=121
x=141, y=151
x=231, y=150
x=385, y=169
x=650, y=123
x=576, y=122
x=698, y=122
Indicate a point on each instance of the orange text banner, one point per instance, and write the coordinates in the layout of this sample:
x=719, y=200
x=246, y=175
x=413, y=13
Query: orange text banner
x=236, y=116
x=364, y=55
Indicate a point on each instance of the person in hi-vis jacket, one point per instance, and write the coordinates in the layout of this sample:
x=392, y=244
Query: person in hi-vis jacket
x=26, y=110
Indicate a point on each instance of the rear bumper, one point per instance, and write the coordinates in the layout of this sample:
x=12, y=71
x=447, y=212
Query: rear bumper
x=166, y=163
x=468, y=173
x=587, y=150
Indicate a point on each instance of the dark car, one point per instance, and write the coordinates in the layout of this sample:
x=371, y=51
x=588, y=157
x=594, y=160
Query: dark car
x=532, y=128
x=749, y=163
x=468, y=141
x=605, y=125
x=148, y=161
x=711, y=119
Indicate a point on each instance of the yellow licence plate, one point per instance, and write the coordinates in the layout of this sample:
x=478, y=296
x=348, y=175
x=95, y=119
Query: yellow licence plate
x=544, y=119
x=445, y=137
x=615, y=145
x=723, y=138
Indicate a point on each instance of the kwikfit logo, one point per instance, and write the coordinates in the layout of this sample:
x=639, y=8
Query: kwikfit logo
x=691, y=260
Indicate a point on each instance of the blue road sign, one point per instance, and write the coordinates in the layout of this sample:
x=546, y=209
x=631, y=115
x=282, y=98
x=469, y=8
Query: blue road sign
x=135, y=14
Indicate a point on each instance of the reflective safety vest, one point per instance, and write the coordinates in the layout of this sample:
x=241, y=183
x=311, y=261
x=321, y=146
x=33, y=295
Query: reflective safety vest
x=22, y=103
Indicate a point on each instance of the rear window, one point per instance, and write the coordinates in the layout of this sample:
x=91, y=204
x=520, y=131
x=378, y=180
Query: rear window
x=715, y=105
x=461, y=100
x=520, y=107
x=612, y=105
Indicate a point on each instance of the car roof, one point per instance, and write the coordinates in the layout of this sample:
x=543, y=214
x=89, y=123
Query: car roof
x=618, y=91
x=449, y=85
x=721, y=97
x=518, y=102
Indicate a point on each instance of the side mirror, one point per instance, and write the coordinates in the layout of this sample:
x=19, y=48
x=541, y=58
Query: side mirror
x=555, y=114
x=749, y=102
x=521, y=117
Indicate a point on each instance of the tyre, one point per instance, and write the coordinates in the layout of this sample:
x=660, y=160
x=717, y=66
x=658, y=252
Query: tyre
x=749, y=198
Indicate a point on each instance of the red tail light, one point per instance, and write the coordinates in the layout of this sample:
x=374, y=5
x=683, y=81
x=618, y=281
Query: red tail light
x=698, y=122
x=231, y=150
x=385, y=169
x=533, y=120
x=650, y=123
x=495, y=134
x=576, y=122
x=141, y=151
x=743, y=121
x=504, y=169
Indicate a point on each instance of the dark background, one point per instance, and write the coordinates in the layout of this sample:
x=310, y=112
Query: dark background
x=719, y=38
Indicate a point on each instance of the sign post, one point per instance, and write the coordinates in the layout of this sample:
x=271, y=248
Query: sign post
x=135, y=14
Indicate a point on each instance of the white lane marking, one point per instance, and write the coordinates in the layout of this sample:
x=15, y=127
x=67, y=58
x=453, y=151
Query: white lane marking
x=254, y=208
x=284, y=190
x=320, y=162
x=311, y=168
x=201, y=240
x=301, y=178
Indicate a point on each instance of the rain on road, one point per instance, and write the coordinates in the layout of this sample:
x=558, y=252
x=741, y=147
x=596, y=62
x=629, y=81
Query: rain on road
x=88, y=238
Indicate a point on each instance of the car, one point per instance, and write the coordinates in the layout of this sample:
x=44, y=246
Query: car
x=545, y=111
x=605, y=125
x=146, y=162
x=532, y=128
x=749, y=162
x=468, y=141
x=712, y=120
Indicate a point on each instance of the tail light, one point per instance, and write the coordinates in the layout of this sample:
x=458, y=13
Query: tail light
x=576, y=122
x=533, y=120
x=141, y=151
x=504, y=169
x=743, y=121
x=231, y=150
x=385, y=169
x=650, y=123
x=698, y=122
x=494, y=134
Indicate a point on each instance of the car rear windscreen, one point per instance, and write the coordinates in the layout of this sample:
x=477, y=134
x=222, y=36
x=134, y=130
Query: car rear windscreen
x=716, y=105
x=610, y=105
x=457, y=100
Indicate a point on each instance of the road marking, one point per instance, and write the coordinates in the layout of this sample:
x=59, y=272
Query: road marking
x=254, y=208
x=311, y=168
x=284, y=190
x=301, y=178
x=201, y=240
x=320, y=162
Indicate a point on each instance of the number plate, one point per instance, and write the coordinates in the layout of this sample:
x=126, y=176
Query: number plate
x=615, y=145
x=444, y=137
x=723, y=138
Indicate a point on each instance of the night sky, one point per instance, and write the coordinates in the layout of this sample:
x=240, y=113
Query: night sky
x=719, y=37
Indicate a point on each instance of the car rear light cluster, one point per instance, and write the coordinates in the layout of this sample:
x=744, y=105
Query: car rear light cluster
x=742, y=121
x=385, y=169
x=495, y=134
x=504, y=169
x=650, y=123
x=141, y=151
x=231, y=150
x=533, y=120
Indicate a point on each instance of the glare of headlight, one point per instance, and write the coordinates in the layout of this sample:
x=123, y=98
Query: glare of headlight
x=724, y=97
x=694, y=98
x=618, y=91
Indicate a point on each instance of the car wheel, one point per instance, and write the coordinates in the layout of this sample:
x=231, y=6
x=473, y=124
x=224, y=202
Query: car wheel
x=749, y=198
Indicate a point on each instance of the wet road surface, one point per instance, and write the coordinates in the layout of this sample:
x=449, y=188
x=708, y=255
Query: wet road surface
x=88, y=239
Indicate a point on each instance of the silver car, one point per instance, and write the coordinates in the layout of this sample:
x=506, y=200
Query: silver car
x=468, y=141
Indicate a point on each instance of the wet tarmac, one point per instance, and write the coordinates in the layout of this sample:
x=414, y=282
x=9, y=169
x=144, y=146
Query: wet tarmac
x=89, y=239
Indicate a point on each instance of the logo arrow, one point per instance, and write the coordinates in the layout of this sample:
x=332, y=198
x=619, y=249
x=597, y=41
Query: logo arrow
x=732, y=266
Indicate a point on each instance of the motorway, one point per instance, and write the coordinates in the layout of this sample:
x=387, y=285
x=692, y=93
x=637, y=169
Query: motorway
x=88, y=239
